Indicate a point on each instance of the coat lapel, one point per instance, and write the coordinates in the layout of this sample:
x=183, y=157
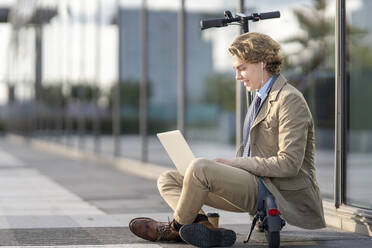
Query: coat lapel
x=277, y=86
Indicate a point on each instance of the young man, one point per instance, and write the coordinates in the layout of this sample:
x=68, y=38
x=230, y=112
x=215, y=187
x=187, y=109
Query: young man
x=278, y=146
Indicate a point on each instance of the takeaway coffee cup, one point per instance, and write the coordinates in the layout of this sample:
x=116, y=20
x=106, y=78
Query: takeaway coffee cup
x=213, y=218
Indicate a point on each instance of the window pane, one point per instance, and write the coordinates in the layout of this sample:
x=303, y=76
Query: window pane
x=163, y=82
x=359, y=90
x=130, y=77
x=210, y=80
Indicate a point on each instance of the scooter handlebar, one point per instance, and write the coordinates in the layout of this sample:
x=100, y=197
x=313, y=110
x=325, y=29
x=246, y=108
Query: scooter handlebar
x=221, y=22
x=269, y=15
x=204, y=24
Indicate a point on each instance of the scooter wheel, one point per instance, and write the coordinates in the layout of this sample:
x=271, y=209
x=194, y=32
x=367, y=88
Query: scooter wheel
x=273, y=238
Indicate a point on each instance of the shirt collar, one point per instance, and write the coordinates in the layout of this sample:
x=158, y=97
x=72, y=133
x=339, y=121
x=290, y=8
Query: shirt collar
x=264, y=89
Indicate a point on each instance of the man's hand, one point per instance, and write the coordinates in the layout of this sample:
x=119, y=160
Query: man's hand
x=222, y=160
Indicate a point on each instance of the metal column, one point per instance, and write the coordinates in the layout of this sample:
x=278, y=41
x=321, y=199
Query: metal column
x=64, y=73
x=69, y=119
x=96, y=118
x=38, y=61
x=38, y=75
x=116, y=94
x=144, y=83
x=240, y=96
x=181, y=68
x=340, y=102
x=59, y=108
x=81, y=90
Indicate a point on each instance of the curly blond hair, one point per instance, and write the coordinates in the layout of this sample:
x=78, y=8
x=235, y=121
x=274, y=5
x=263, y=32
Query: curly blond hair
x=256, y=47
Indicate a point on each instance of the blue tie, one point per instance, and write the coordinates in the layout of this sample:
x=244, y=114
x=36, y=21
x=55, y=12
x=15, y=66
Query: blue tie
x=251, y=115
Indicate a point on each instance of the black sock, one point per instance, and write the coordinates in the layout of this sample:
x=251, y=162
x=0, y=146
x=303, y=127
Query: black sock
x=177, y=225
x=200, y=217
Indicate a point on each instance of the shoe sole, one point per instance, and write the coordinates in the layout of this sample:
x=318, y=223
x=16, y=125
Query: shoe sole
x=201, y=236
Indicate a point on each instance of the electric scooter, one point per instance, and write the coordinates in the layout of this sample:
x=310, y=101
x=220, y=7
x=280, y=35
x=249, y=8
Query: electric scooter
x=267, y=213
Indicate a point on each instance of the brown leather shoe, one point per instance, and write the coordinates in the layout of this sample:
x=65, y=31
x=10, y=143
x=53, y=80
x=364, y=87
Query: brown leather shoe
x=153, y=230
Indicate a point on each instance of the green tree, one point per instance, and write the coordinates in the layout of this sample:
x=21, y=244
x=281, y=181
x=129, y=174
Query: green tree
x=316, y=38
x=314, y=61
x=129, y=93
x=221, y=91
x=52, y=95
x=84, y=91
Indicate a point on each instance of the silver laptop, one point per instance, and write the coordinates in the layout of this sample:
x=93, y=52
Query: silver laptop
x=177, y=148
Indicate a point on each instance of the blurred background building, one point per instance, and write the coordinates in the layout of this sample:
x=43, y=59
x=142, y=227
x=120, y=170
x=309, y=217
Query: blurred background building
x=106, y=76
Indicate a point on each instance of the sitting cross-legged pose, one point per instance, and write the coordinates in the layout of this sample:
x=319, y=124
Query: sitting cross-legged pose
x=278, y=147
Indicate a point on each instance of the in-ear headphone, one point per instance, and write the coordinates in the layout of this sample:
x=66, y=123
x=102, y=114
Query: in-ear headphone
x=261, y=73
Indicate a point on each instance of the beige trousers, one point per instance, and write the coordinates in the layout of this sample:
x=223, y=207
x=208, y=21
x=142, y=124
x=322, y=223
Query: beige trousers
x=210, y=183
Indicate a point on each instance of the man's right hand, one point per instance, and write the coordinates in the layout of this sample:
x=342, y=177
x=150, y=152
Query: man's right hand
x=222, y=160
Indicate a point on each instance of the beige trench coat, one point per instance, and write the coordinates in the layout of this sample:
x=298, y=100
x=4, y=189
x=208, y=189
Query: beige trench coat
x=282, y=153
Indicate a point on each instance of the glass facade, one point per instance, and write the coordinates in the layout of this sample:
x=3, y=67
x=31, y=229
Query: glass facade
x=162, y=75
x=75, y=77
x=210, y=84
x=359, y=90
x=129, y=78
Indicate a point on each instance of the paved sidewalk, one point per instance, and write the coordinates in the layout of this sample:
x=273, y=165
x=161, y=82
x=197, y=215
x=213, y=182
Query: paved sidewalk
x=48, y=200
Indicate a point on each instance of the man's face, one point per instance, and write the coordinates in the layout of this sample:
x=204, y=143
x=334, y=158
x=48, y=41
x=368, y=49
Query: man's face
x=249, y=74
